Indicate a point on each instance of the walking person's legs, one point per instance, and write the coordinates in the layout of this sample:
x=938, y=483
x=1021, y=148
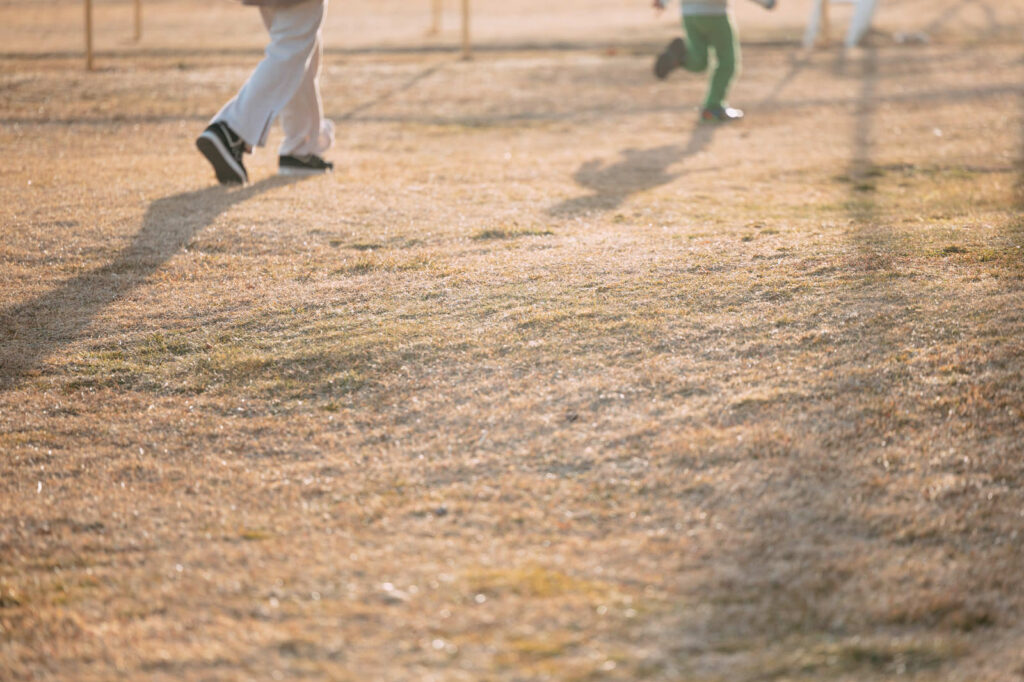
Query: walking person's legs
x=244, y=122
x=306, y=131
x=307, y=134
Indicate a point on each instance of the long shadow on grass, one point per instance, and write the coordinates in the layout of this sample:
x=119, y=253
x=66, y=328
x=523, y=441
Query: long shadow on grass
x=834, y=573
x=791, y=580
x=33, y=330
x=797, y=66
x=803, y=591
x=639, y=170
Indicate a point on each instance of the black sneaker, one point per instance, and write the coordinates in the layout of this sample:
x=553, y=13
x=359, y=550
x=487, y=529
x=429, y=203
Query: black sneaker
x=309, y=164
x=671, y=58
x=223, y=149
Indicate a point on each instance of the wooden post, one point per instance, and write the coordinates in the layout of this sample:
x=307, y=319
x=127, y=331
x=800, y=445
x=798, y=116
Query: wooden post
x=826, y=23
x=435, y=19
x=88, y=35
x=466, y=46
x=138, y=20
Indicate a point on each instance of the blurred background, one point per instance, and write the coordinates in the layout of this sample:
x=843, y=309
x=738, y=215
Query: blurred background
x=54, y=28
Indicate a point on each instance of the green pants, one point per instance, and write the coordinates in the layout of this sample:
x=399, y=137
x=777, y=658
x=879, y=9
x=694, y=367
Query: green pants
x=712, y=32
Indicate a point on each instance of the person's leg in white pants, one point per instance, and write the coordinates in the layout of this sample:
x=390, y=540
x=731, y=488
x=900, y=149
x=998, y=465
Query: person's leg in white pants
x=285, y=84
x=306, y=131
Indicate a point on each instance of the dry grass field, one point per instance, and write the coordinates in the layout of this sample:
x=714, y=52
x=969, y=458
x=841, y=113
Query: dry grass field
x=546, y=382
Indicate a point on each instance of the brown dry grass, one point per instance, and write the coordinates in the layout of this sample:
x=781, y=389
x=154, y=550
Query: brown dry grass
x=546, y=382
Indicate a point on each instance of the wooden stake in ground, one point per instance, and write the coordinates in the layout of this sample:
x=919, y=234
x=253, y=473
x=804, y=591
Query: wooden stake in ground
x=435, y=19
x=138, y=20
x=466, y=47
x=826, y=22
x=88, y=35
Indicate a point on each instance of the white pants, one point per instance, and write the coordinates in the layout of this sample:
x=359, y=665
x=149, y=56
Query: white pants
x=285, y=84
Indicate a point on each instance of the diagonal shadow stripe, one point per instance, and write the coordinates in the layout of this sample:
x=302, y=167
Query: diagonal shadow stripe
x=31, y=331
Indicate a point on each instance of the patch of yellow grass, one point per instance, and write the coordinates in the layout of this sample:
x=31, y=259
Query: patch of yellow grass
x=546, y=381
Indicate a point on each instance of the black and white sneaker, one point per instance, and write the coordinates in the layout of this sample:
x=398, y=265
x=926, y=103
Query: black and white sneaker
x=308, y=164
x=223, y=149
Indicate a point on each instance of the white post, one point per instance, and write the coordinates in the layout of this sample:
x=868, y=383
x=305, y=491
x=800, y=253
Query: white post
x=88, y=35
x=466, y=45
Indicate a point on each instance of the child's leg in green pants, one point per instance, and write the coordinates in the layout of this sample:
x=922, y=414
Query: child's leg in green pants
x=703, y=32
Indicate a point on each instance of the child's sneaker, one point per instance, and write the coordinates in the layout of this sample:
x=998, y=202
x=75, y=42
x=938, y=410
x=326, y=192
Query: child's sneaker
x=720, y=115
x=671, y=58
x=223, y=149
x=309, y=164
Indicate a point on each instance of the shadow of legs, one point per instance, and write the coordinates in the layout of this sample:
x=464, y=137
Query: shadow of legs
x=639, y=170
x=33, y=330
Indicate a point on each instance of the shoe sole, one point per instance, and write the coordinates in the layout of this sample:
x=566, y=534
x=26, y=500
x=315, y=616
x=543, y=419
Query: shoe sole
x=720, y=121
x=299, y=172
x=671, y=59
x=229, y=171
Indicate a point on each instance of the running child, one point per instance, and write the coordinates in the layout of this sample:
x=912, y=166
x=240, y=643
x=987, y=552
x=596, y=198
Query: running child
x=708, y=26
